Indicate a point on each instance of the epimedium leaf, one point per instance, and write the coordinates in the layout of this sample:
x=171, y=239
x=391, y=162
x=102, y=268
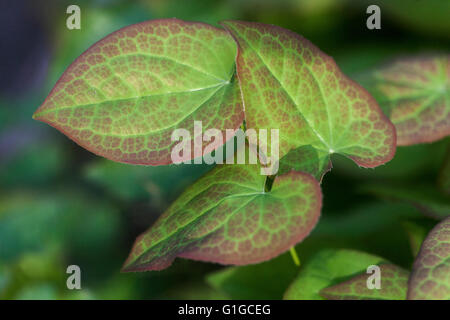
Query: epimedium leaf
x=430, y=276
x=414, y=93
x=425, y=197
x=327, y=268
x=289, y=84
x=394, y=284
x=306, y=159
x=226, y=217
x=125, y=95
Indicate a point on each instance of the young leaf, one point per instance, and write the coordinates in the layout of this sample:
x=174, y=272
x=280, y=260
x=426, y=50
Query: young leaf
x=125, y=95
x=326, y=268
x=226, y=217
x=424, y=197
x=394, y=284
x=430, y=276
x=288, y=83
x=415, y=94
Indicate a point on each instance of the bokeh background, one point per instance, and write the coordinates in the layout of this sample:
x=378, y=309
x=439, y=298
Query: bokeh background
x=61, y=205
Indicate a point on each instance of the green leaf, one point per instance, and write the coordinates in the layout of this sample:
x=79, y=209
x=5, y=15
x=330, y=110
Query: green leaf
x=306, y=159
x=430, y=276
x=394, y=284
x=226, y=217
x=267, y=280
x=424, y=197
x=125, y=95
x=417, y=232
x=327, y=268
x=415, y=94
x=444, y=176
x=289, y=84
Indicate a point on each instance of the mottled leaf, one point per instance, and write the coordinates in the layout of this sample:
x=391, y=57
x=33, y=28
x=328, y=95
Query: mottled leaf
x=327, y=268
x=126, y=94
x=289, y=84
x=415, y=94
x=226, y=217
x=393, y=282
x=430, y=276
x=425, y=197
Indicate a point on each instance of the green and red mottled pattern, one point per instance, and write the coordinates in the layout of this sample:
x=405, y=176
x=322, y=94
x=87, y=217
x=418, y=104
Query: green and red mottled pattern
x=430, y=276
x=415, y=94
x=394, y=284
x=288, y=83
x=226, y=217
x=125, y=95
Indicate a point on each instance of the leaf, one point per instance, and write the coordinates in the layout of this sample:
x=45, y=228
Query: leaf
x=430, y=276
x=289, y=84
x=327, y=268
x=444, y=176
x=125, y=95
x=394, y=284
x=415, y=94
x=417, y=232
x=424, y=197
x=306, y=159
x=226, y=217
x=267, y=280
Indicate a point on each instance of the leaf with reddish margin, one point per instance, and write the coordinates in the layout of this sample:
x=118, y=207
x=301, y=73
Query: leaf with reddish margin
x=394, y=284
x=125, y=95
x=327, y=268
x=430, y=276
x=226, y=217
x=415, y=94
x=289, y=84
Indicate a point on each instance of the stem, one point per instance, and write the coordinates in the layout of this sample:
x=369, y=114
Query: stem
x=269, y=183
x=294, y=256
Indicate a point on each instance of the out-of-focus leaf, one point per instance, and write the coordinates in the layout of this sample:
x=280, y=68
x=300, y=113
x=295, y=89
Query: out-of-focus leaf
x=123, y=97
x=444, y=175
x=430, y=276
x=327, y=268
x=409, y=163
x=415, y=94
x=417, y=231
x=267, y=280
x=136, y=182
x=226, y=217
x=289, y=84
x=393, y=286
x=424, y=197
x=31, y=222
x=424, y=16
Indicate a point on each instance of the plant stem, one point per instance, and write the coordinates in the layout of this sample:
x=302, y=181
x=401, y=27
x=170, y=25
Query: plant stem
x=294, y=256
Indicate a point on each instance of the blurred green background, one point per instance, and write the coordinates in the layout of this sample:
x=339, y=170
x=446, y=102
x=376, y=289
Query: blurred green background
x=61, y=205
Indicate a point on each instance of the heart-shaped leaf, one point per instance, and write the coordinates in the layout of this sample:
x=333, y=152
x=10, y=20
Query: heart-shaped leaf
x=393, y=286
x=415, y=94
x=430, y=276
x=289, y=84
x=327, y=268
x=226, y=217
x=125, y=95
